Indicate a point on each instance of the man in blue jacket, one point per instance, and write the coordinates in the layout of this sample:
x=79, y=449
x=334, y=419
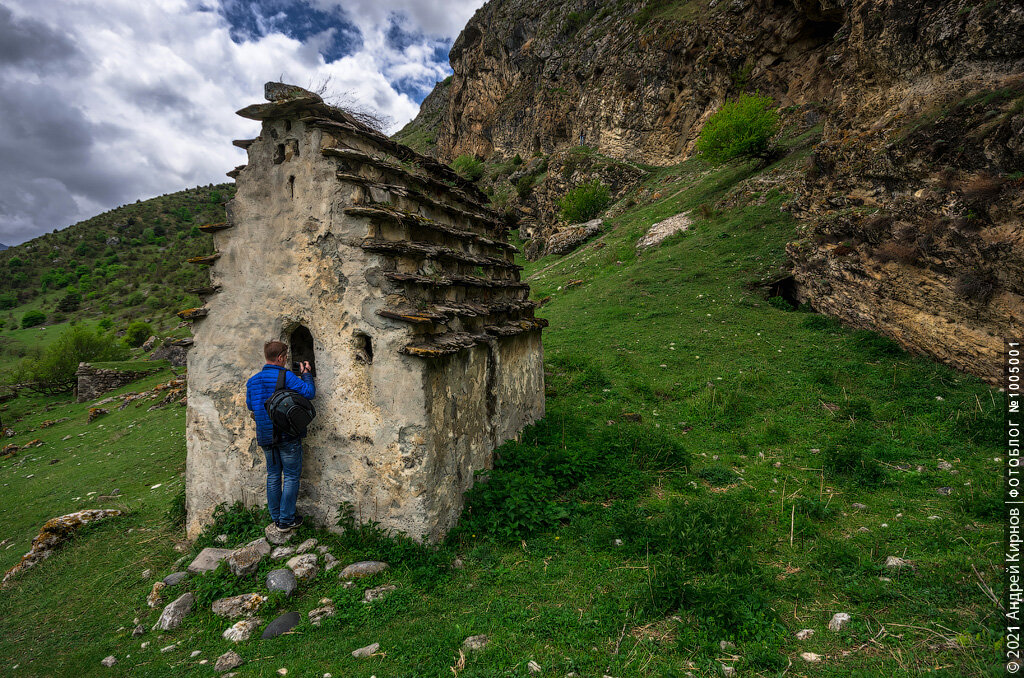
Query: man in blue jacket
x=283, y=453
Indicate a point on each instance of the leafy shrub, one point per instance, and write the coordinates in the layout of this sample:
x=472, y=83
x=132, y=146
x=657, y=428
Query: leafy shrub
x=584, y=202
x=8, y=300
x=239, y=523
x=220, y=583
x=524, y=186
x=176, y=512
x=53, y=369
x=468, y=167
x=137, y=333
x=780, y=303
x=32, y=318
x=741, y=129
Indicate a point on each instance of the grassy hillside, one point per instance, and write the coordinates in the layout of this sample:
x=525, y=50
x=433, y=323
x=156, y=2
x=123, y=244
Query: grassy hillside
x=126, y=264
x=714, y=466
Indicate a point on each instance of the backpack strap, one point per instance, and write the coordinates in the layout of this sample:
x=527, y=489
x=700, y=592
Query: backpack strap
x=279, y=387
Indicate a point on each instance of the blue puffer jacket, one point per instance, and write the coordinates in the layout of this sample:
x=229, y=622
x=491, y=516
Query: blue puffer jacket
x=261, y=386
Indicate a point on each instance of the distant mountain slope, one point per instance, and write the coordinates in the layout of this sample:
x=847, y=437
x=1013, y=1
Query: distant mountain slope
x=3, y=247
x=128, y=262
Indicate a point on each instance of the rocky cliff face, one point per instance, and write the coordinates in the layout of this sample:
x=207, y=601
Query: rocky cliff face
x=910, y=208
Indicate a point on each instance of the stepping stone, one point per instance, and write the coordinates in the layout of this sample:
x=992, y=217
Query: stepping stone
x=238, y=606
x=282, y=580
x=175, y=578
x=364, y=568
x=376, y=593
x=246, y=560
x=276, y=536
x=281, y=552
x=175, y=612
x=365, y=651
x=283, y=624
x=304, y=566
x=227, y=661
x=305, y=546
x=208, y=560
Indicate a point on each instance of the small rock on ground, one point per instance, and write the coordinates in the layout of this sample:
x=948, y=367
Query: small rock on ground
x=534, y=667
x=175, y=612
x=245, y=561
x=208, y=560
x=282, y=580
x=896, y=563
x=945, y=466
x=283, y=624
x=363, y=568
x=858, y=506
x=175, y=578
x=330, y=562
x=280, y=552
x=241, y=631
x=366, y=651
x=321, y=613
x=304, y=566
x=169, y=648
x=305, y=546
x=238, y=606
x=728, y=671
x=378, y=592
x=109, y=661
x=804, y=634
x=663, y=229
x=838, y=621
x=138, y=630
x=474, y=643
x=810, y=657
x=227, y=661
x=725, y=645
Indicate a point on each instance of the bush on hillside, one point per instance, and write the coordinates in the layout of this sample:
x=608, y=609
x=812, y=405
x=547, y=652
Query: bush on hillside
x=584, y=202
x=8, y=300
x=52, y=370
x=32, y=318
x=468, y=167
x=741, y=129
x=70, y=301
x=137, y=333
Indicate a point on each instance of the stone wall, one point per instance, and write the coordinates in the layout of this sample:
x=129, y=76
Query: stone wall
x=94, y=382
x=408, y=289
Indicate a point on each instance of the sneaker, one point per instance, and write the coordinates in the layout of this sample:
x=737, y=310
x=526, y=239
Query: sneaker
x=292, y=525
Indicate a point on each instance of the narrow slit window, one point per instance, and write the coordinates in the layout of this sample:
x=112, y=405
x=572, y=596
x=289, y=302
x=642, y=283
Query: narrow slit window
x=291, y=187
x=364, y=348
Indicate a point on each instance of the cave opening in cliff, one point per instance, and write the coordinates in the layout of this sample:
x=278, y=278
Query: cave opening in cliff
x=786, y=289
x=820, y=32
x=301, y=343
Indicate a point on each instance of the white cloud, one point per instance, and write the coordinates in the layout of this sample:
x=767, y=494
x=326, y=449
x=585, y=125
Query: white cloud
x=149, y=89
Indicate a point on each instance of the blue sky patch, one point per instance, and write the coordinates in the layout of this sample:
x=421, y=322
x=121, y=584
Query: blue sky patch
x=253, y=19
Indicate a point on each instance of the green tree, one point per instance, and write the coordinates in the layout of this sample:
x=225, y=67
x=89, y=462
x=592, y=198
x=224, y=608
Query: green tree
x=137, y=333
x=741, y=129
x=53, y=370
x=70, y=301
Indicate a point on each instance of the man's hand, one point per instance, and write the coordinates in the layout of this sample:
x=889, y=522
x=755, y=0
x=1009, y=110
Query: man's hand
x=306, y=369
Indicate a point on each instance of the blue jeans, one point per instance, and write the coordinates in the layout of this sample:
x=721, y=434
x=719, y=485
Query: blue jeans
x=283, y=459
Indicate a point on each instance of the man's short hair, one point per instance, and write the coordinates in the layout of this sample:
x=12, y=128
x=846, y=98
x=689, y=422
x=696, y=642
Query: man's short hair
x=274, y=349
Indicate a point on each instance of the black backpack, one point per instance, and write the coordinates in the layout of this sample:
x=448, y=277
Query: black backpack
x=290, y=412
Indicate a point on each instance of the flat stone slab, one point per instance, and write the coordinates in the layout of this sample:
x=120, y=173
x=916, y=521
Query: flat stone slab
x=283, y=624
x=275, y=536
x=208, y=560
x=175, y=578
x=174, y=613
x=364, y=568
x=238, y=606
x=663, y=229
x=241, y=630
x=365, y=651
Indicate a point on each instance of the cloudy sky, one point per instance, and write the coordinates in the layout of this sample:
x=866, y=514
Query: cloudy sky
x=107, y=101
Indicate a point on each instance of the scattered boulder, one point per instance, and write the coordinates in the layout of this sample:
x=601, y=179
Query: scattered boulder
x=109, y=661
x=282, y=552
x=53, y=534
x=208, y=560
x=148, y=345
x=238, y=606
x=169, y=648
x=330, y=562
x=304, y=566
x=305, y=546
x=227, y=661
x=175, y=613
x=138, y=630
x=897, y=563
x=364, y=568
x=378, y=592
x=241, y=630
x=276, y=536
x=568, y=239
x=245, y=560
x=838, y=621
x=261, y=545
x=282, y=580
x=325, y=610
x=283, y=624
x=175, y=578
x=153, y=599
x=366, y=651
x=475, y=643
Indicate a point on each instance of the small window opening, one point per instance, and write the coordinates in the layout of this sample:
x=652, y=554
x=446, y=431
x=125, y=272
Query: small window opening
x=287, y=125
x=291, y=187
x=301, y=343
x=364, y=348
x=279, y=154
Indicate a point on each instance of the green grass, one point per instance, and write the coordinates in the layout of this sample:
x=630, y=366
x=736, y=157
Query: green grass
x=755, y=422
